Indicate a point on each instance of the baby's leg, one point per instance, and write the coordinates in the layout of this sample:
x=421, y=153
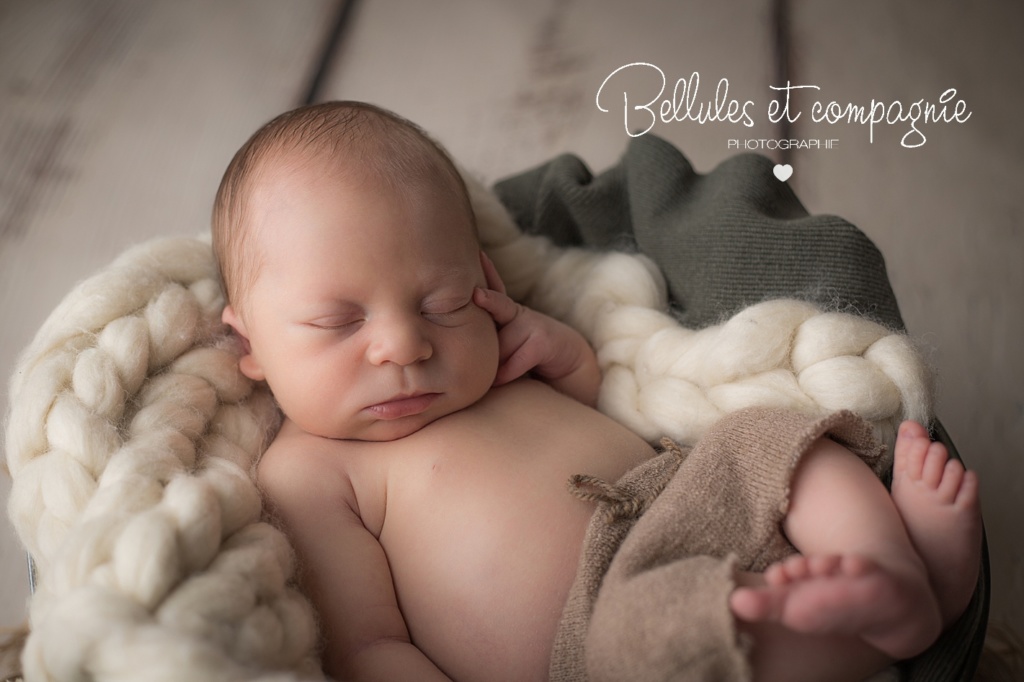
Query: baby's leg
x=938, y=501
x=859, y=574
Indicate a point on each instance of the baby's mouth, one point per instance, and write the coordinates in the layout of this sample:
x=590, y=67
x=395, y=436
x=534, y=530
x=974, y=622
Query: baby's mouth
x=403, y=406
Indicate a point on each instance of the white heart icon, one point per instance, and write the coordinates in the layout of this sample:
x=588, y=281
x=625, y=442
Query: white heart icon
x=783, y=172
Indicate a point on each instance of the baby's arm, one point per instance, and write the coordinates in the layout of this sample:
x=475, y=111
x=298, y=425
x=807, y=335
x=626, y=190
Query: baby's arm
x=531, y=341
x=345, y=573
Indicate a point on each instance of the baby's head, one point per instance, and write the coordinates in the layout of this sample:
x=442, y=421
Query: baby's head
x=349, y=255
x=356, y=140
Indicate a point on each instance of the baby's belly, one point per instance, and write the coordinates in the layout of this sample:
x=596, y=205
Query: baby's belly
x=482, y=535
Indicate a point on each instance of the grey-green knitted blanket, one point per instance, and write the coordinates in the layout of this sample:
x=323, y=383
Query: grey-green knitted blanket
x=724, y=240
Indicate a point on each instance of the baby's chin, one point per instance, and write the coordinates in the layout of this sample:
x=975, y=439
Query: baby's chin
x=366, y=427
x=383, y=431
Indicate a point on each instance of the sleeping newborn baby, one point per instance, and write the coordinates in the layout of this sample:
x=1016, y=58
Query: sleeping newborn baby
x=431, y=425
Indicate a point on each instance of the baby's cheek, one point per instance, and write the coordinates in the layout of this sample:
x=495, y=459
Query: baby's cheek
x=481, y=351
x=489, y=337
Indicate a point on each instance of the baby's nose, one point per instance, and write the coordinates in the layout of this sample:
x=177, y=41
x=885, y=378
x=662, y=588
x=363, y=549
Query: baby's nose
x=400, y=342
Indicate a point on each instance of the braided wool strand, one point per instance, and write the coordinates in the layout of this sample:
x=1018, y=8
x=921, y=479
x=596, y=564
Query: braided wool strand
x=131, y=441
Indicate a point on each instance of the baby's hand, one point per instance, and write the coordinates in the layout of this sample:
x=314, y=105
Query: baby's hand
x=531, y=341
x=527, y=340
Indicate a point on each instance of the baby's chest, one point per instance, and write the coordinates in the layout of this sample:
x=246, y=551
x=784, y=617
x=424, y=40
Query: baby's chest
x=481, y=460
x=472, y=479
x=479, y=521
x=492, y=475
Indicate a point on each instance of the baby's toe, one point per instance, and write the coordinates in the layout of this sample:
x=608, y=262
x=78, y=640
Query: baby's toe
x=912, y=429
x=952, y=481
x=856, y=565
x=910, y=453
x=754, y=605
x=776, y=576
x=796, y=567
x=824, y=566
x=934, y=464
x=791, y=569
x=967, y=494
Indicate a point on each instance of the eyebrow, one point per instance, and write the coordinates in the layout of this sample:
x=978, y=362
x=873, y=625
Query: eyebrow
x=450, y=273
x=330, y=303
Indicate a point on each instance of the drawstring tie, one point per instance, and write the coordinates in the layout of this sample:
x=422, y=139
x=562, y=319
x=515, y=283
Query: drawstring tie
x=621, y=503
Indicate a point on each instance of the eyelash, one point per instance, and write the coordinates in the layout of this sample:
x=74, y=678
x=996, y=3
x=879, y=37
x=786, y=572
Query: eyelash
x=335, y=327
x=442, y=315
x=448, y=313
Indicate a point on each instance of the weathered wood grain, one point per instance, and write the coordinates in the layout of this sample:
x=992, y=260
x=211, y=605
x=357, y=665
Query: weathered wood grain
x=505, y=85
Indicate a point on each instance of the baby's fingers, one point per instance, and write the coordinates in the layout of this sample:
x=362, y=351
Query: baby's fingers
x=502, y=308
x=491, y=273
x=516, y=365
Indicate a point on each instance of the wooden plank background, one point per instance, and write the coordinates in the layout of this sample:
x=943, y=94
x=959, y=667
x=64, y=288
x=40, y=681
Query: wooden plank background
x=118, y=117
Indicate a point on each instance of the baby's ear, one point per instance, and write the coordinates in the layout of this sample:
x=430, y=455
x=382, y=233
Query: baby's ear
x=246, y=362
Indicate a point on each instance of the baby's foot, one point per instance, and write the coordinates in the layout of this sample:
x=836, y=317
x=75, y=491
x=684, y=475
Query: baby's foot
x=938, y=501
x=892, y=608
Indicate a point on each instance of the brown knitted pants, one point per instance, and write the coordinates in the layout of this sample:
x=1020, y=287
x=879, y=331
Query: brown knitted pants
x=650, y=601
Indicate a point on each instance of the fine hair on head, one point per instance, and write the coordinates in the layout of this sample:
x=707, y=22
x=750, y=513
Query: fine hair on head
x=362, y=140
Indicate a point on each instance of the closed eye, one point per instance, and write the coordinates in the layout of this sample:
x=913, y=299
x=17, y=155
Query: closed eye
x=336, y=323
x=447, y=312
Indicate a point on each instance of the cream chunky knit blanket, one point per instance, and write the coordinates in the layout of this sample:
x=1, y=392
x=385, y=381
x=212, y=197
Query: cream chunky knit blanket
x=132, y=439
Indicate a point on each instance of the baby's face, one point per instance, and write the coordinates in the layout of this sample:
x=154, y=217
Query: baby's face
x=361, y=318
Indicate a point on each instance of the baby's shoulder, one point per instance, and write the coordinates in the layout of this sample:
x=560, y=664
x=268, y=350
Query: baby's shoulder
x=299, y=466
x=305, y=474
